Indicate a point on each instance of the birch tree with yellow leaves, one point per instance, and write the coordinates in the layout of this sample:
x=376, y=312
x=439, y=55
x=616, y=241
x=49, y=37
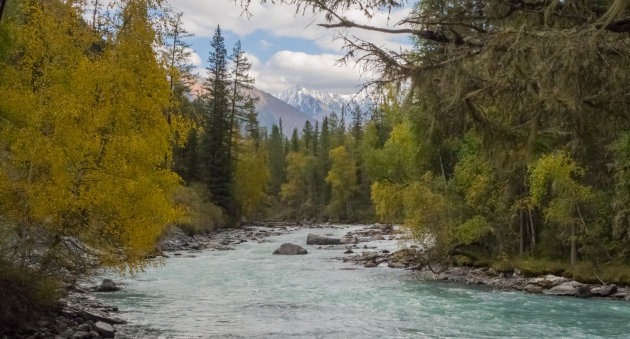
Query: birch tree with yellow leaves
x=82, y=138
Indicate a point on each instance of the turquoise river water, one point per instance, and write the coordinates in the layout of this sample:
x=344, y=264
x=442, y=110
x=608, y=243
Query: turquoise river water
x=250, y=293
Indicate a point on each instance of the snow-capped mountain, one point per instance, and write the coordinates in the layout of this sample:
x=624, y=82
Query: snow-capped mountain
x=271, y=110
x=319, y=104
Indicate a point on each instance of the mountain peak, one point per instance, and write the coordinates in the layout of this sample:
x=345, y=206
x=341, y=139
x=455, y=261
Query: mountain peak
x=319, y=103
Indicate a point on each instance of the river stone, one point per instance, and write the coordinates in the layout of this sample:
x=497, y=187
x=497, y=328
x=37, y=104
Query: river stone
x=313, y=239
x=570, y=288
x=395, y=264
x=531, y=288
x=104, y=329
x=604, y=291
x=108, y=285
x=290, y=249
x=583, y=292
x=99, y=316
x=80, y=335
x=549, y=281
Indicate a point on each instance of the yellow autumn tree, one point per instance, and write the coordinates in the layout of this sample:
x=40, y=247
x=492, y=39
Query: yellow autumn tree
x=294, y=191
x=342, y=178
x=83, y=138
x=251, y=177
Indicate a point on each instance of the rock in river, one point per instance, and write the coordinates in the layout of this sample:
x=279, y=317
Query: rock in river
x=290, y=249
x=313, y=239
x=107, y=285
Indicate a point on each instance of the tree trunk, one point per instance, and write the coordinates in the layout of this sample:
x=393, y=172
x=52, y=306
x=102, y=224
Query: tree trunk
x=573, y=245
x=533, y=231
x=522, y=237
x=2, y=4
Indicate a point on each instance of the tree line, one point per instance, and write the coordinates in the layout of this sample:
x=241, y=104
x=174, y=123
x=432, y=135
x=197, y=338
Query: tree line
x=511, y=138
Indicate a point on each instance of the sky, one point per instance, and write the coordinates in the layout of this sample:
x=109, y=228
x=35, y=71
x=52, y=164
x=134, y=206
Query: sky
x=286, y=49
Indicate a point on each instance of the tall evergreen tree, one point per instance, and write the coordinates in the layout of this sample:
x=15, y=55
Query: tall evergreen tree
x=276, y=160
x=215, y=160
x=357, y=123
x=315, y=144
x=241, y=103
x=307, y=136
x=295, y=141
x=324, y=162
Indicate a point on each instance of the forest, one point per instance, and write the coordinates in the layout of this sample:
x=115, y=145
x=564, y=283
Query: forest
x=501, y=139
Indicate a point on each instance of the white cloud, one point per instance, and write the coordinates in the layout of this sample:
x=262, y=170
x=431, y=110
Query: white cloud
x=194, y=59
x=287, y=68
x=202, y=17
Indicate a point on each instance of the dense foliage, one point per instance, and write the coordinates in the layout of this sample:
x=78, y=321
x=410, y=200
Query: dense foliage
x=511, y=138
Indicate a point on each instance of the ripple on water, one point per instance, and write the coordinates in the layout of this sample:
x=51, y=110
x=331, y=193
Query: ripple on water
x=249, y=293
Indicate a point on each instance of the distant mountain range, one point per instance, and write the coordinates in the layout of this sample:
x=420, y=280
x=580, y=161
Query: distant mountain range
x=318, y=104
x=295, y=106
x=270, y=109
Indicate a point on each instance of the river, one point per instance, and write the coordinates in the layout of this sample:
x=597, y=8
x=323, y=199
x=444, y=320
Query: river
x=250, y=293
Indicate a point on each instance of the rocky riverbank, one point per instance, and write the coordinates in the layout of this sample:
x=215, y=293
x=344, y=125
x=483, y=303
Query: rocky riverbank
x=414, y=258
x=80, y=315
x=176, y=242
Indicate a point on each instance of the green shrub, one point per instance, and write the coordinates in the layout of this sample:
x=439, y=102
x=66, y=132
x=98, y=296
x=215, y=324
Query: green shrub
x=23, y=295
x=203, y=215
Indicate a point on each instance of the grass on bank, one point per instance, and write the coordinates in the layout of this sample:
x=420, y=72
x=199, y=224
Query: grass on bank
x=583, y=271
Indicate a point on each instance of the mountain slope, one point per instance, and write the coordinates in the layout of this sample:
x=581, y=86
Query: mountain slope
x=271, y=110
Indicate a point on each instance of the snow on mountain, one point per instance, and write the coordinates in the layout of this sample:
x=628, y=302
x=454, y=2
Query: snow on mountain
x=319, y=104
x=270, y=109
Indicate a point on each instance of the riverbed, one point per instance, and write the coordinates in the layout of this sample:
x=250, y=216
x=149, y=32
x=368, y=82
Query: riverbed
x=250, y=293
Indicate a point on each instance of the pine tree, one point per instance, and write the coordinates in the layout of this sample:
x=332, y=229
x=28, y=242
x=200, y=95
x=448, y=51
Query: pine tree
x=357, y=123
x=215, y=161
x=307, y=137
x=323, y=191
x=276, y=160
x=241, y=103
x=295, y=141
x=315, y=144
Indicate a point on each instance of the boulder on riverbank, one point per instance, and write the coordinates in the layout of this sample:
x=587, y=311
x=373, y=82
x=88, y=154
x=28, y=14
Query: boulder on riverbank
x=104, y=329
x=290, y=249
x=313, y=239
x=604, y=291
x=570, y=288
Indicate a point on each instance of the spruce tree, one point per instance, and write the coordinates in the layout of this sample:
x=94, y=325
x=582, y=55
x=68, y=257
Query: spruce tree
x=307, y=136
x=357, y=123
x=295, y=141
x=216, y=163
x=276, y=160
x=241, y=109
